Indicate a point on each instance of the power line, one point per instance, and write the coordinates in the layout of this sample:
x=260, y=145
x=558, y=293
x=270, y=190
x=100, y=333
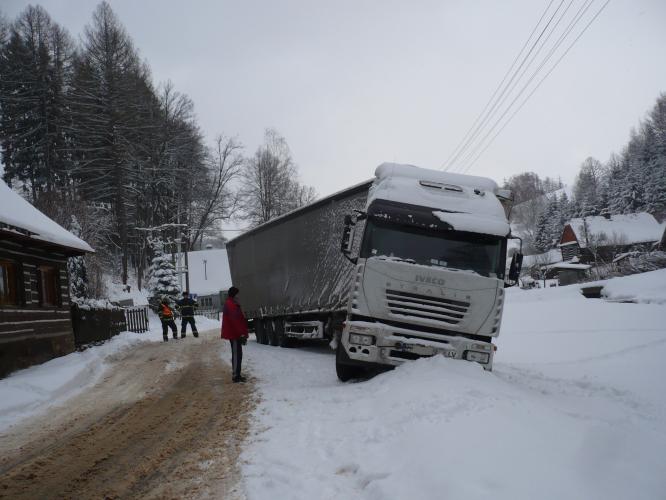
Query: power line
x=539, y=83
x=455, y=153
x=567, y=30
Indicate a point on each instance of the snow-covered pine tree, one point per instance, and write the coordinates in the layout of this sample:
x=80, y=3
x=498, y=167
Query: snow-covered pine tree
x=542, y=234
x=76, y=268
x=162, y=280
x=555, y=224
x=565, y=209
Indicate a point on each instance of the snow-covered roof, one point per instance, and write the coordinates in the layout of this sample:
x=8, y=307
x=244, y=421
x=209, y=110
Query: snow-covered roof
x=626, y=229
x=569, y=265
x=23, y=218
x=466, y=202
x=209, y=271
x=550, y=257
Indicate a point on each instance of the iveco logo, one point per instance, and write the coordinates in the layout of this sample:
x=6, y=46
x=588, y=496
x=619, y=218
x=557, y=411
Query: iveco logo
x=429, y=279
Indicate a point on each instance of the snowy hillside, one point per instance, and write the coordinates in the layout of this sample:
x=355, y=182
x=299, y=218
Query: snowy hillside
x=575, y=408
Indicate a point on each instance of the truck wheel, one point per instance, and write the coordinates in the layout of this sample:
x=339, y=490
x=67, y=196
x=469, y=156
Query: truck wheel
x=343, y=369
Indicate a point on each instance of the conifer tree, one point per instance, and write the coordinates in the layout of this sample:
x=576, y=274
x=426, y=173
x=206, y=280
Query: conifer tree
x=162, y=281
x=76, y=268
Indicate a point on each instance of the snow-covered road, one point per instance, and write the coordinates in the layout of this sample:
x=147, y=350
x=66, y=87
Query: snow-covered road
x=575, y=408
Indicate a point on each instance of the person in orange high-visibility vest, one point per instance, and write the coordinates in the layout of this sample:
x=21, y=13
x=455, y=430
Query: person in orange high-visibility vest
x=166, y=316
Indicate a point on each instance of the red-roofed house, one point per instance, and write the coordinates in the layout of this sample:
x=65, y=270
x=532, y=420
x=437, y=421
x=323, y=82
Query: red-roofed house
x=608, y=235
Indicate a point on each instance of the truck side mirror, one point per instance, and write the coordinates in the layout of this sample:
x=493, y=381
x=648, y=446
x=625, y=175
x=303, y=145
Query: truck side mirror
x=347, y=241
x=516, y=266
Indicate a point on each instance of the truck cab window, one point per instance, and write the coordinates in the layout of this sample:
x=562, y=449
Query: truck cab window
x=8, y=283
x=455, y=250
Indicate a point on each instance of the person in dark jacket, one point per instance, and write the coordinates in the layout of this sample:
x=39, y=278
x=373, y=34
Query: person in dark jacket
x=166, y=316
x=234, y=329
x=187, y=306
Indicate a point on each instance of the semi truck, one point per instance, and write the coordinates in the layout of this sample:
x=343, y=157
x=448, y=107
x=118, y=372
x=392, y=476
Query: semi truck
x=409, y=264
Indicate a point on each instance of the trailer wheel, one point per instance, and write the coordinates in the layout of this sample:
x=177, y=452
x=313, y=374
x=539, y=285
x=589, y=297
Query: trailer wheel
x=283, y=340
x=272, y=333
x=343, y=369
x=262, y=338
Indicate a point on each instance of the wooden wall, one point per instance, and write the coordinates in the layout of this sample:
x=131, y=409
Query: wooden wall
x=29, y=332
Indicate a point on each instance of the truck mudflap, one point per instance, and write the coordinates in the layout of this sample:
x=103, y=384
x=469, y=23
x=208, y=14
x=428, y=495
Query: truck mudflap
x=377, y=343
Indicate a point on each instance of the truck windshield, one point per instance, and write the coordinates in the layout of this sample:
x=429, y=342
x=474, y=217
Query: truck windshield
x=463, y=251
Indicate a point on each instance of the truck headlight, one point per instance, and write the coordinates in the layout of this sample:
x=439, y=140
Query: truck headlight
x=360, y=339
x=479, y=357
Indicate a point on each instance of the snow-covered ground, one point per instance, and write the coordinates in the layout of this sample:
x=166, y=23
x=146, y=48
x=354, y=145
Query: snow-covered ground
x=575, y=408
x=32, y=391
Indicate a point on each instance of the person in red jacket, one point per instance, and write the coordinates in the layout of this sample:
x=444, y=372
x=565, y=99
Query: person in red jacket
x=234, y=329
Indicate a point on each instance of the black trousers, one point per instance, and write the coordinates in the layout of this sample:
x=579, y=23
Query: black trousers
x=236, y=357
x=183, y=325
x=166, y=324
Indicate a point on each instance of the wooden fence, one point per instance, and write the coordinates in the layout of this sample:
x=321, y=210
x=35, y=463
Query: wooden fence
x=136, y=319
x=96, y=325
x=209, y=313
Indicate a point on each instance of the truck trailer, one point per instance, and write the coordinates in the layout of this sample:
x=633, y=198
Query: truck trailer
x=409, y=264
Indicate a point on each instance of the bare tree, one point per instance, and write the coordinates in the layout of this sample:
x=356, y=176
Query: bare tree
x=270, y=182
x=216, y=200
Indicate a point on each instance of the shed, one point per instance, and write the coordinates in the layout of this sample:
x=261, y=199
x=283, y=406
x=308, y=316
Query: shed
x=209, y=277
x=35, y=316
x=569, y=273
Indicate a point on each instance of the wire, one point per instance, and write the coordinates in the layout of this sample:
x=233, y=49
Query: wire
x=574, y=21
x=474, y=147
x=463, y=142
x=539, y=83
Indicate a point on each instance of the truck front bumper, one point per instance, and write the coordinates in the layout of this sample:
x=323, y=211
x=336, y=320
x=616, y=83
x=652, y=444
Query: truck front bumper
x=378, y=343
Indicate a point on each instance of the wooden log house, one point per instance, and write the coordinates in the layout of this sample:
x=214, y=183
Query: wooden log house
x=608, y=235
x=35, y=315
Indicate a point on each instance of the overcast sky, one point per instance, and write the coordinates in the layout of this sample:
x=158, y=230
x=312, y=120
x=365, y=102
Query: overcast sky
x=351, y=84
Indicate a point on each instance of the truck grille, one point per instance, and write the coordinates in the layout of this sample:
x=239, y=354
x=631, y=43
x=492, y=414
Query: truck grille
x=426, y=307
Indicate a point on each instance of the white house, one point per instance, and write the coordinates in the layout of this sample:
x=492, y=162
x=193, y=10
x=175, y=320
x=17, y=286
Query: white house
x=208, y=275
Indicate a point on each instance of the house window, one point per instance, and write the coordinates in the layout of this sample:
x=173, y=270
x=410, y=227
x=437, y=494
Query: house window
x=8, y=283
x=48, y=286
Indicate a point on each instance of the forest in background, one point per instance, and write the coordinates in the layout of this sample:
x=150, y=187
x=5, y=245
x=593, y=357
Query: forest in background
x=631, y=181
x=93, y=142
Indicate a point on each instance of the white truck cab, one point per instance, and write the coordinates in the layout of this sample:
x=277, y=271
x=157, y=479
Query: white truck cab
x=430, y=253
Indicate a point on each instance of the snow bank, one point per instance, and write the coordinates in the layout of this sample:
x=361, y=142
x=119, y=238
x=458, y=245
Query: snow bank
x=35, y=389
x=575, y=408
x=648, y=288
x=17, y=212
x=116, y=292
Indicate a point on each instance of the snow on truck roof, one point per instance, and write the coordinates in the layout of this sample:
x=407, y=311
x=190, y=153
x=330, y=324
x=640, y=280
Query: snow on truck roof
x=20, y=216
x=466, y=202
x=399, y=182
